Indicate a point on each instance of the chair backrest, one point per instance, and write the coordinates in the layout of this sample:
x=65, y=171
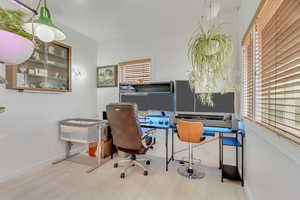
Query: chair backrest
x=126, y=130
x=190, y=131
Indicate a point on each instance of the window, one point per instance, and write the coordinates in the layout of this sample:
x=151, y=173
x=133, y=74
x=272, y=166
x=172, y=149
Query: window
x=248, y=76
x=137, y=71
x=276, y=32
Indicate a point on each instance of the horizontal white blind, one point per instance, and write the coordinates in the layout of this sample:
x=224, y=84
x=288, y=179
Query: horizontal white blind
x=278, y=75
x=248, y=76
x=137, y=71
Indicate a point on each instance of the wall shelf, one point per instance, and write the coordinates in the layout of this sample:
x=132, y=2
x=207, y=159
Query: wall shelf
x=48, y=69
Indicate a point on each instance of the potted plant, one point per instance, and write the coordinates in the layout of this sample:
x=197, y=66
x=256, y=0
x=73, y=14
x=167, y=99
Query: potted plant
x=2, y=109
x=15, y=44
x=209, y=52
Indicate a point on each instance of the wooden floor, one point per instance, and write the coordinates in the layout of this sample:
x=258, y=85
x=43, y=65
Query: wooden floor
x=68, y=181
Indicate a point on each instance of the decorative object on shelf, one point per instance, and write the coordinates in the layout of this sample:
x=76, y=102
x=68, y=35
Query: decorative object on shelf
x=51, y=49
x=2, y=80
x=209, y=52
x=44, y=28
x=107, y=76
x=13, y=36
x=31, y=71
x=45, y=85
x=36, y=56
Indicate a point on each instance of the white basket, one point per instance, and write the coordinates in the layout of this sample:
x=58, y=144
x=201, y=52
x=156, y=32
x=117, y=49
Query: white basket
x=80, y=130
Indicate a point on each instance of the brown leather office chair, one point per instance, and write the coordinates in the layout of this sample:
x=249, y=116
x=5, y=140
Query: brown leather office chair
x=191, y=132
x=127, y=134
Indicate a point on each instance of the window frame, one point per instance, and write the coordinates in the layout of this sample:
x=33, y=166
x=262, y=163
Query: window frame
x=138, y=63
x=271, y=77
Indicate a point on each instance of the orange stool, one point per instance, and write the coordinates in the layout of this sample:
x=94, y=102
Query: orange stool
x=191, y=132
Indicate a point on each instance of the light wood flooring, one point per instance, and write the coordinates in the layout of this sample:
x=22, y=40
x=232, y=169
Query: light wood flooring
x=69, y=181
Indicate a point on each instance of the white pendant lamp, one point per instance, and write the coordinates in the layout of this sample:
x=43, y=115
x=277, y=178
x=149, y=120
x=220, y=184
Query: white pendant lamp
x=14, y=49
x=44, y=28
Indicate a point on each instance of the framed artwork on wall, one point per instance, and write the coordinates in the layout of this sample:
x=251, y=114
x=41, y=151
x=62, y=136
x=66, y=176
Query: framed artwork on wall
x=107, y=76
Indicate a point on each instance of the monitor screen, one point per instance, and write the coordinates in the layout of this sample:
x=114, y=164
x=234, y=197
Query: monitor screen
x=151, y=101
x=223, y=103
x=186, y=100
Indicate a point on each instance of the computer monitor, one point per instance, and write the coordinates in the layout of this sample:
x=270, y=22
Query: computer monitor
x=187, y=101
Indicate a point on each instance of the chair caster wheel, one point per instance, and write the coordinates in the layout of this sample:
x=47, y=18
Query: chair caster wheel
x=145, y=173
x=116, y=165
x=122, y=175
x=148, y=162
x=133, y=165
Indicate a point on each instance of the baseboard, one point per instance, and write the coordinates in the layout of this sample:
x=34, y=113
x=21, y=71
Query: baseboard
x=37, y=166
x=248, y=192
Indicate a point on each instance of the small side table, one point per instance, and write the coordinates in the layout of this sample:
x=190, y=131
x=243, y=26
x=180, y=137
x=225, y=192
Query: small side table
x=235, y=139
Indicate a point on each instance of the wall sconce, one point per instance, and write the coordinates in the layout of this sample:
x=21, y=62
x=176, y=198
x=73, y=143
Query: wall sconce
x=77, y=73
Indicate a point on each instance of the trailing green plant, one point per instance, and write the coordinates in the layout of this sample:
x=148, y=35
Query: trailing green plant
x=12, y=21
x=209, y=52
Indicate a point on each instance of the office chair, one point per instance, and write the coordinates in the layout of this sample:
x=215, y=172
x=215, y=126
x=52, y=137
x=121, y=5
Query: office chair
x=191, y=132
x=128, y=136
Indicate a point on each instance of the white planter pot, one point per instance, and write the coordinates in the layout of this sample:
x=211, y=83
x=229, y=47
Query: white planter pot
x=14, y=49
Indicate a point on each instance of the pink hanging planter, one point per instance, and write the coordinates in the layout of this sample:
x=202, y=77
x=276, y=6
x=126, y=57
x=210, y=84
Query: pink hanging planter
x=14, y=49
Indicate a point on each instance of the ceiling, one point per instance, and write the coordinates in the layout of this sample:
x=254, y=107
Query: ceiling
x=104, y=20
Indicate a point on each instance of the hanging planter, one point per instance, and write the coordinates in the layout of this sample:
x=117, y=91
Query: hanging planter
x=209, y=52
x=15, y=44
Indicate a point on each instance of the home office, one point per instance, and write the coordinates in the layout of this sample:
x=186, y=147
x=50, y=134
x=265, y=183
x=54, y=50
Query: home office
x=195, y=99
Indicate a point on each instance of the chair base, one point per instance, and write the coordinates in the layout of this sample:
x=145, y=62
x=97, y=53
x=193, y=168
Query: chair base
x=194, y=173
x=132, y=162
x=185, y=160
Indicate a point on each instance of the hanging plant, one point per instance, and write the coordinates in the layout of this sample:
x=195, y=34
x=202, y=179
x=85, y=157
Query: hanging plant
x=209, y=52
x=12, y=21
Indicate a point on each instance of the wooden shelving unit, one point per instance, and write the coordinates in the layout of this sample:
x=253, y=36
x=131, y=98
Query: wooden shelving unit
x=48, y=69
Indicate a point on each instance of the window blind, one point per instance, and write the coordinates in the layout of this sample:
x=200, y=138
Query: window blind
x=277, y=66
x=137, y=71
x=248, y=76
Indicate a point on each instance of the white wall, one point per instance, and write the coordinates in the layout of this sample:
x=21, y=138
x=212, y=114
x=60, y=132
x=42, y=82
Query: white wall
x=168, y=51
x=272, y=163
x=30, y=122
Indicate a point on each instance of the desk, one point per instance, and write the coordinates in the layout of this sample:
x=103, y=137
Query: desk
x=208, y=129
x=166, y=128
x=228, y=171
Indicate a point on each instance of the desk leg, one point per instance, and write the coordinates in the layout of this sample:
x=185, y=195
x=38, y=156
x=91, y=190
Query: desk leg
x=220, y=151
x=167, y=147
x=172, y=157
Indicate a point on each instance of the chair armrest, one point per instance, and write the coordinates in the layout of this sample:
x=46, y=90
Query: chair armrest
x=148, y=134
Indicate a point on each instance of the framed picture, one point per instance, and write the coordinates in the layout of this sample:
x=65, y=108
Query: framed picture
x=107, y=76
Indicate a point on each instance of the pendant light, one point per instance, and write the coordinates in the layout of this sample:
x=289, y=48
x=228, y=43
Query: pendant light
x=43, y=27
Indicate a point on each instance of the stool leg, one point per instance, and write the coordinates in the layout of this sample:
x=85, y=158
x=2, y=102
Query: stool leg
x=191, y=171
x=190, y=156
